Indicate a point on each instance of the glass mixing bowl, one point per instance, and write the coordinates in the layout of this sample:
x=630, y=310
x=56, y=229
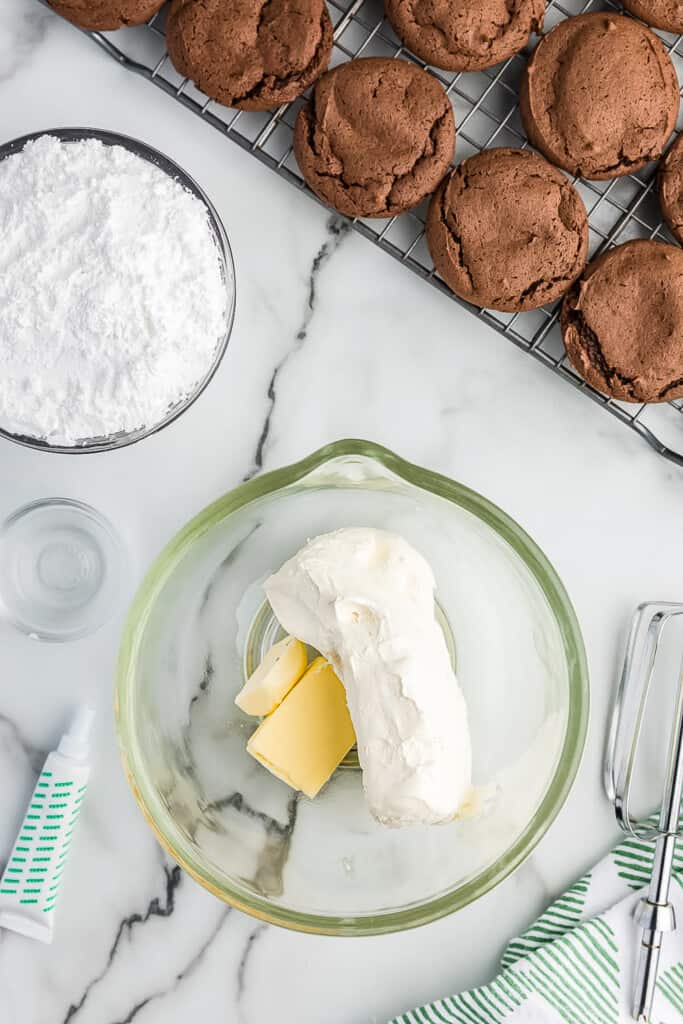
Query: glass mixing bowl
x=169, y=167
x=200, y=623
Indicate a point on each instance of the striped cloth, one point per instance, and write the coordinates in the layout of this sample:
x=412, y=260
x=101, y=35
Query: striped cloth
x=575, y=964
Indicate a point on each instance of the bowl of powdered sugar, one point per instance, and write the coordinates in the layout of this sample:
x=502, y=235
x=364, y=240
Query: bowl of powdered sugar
x=117, y=291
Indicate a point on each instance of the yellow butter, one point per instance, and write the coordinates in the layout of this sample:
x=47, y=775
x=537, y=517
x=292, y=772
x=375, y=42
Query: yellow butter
x=306, y=737
x=282, y=667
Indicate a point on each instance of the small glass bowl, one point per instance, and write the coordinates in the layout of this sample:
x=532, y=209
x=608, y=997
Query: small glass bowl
x=61, y=569
x=173, y=170
x=200, y=622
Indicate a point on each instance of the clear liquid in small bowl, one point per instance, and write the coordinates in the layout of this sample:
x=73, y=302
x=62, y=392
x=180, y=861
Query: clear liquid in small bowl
x=60, y=569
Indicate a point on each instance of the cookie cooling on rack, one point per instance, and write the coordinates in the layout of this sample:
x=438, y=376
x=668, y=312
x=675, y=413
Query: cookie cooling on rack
x=507, y=231
x=622, y=322
x=106, y=15
x=664, y=14
x=599, y=96
x=376, y=138
x=465, y=35
x=251, y=54
x=670, y=181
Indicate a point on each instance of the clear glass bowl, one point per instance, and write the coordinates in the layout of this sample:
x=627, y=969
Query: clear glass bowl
x=198, y=624
x=62, y=568
x=164, y=163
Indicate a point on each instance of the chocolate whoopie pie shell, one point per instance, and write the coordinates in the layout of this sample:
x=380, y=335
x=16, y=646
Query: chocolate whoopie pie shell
x=106, y=15
x=670, y=183
x=507, y=230
x=465, y=35
x=622, y=322
x=599, y=95
x=250, y=54
x=376, y=138
x=664, y=14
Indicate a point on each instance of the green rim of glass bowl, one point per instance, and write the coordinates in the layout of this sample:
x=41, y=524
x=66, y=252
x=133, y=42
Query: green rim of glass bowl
x=577, y=721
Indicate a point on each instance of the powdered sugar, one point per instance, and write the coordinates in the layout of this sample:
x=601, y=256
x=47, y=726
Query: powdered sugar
x=112, y=296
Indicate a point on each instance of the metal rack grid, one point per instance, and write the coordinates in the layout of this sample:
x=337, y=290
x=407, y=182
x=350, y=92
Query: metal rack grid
x=486, y=114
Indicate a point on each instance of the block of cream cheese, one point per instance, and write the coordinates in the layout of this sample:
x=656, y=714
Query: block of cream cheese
x=282, y=667
x=364, y=598
x=309, y=733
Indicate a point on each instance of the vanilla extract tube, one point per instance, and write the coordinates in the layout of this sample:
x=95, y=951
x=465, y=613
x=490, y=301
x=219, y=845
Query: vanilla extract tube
x=30, y=884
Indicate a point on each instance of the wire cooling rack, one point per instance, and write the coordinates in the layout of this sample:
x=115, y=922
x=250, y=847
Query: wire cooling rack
x=486, y=114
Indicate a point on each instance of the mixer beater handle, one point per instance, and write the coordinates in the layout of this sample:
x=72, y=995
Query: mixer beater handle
x=654, y=914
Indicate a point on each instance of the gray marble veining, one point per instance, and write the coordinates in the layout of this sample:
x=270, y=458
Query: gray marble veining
x=331, y=339
x=337, y=229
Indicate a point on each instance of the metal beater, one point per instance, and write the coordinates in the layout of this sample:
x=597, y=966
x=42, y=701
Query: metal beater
x=654, y=914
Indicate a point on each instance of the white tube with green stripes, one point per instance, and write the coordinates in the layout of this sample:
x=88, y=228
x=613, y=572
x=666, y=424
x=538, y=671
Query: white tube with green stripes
x=30, y=883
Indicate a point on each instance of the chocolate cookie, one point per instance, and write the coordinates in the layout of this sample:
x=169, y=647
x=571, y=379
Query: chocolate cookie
x=465, y=35
x=106, y=15
x=670, y=181
x=599, y=95
x=507, y=230
x=622, y=322
x=664, y=14
x=376, y=138
x=252, y=54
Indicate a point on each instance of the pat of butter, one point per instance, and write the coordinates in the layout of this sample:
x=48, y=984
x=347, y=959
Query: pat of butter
x=306, y=737
x=282, y=667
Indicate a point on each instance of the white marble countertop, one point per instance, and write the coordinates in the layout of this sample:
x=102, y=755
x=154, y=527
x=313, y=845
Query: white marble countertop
x=314, y=357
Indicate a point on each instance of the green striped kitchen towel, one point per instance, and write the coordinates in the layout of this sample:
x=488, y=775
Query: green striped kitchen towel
x=575, y=964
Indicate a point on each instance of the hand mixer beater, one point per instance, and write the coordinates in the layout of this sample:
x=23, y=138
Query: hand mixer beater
x=654, y=914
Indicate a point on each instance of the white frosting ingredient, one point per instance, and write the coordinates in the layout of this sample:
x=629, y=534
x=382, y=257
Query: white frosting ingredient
x=112, y=300
x=364, y=598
